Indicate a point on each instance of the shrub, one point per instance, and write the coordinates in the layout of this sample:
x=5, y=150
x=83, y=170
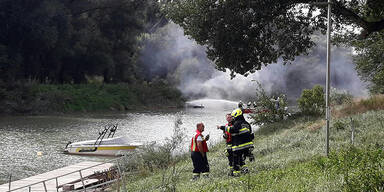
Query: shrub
x=338, y=125
x=361, y=169
x=270, y=109
x=312, y=101
x=339, y=97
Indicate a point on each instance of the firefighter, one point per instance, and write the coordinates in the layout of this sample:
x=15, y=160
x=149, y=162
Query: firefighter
x=242, y=136
x=227, y=137
x=199, y=151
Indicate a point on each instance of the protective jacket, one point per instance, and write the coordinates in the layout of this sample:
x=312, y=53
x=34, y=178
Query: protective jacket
x=227, y=135
x=194, y=142
x=241, y=134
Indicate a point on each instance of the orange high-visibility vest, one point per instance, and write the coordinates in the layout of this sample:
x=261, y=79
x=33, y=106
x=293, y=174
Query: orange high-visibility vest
x=194, y=143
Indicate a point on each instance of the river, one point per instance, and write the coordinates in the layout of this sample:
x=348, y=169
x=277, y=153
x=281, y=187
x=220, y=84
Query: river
x=32, y=145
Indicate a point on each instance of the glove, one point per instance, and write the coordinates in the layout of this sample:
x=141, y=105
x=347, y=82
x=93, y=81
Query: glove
x=226, y=153
x=207, y=137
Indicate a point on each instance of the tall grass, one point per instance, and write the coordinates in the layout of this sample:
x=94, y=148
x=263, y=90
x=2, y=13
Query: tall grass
x=375, y=102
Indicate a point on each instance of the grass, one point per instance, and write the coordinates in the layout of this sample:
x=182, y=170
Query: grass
x=290, y=157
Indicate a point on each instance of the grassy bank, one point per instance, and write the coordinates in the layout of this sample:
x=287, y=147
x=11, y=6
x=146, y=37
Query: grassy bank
x=290, y=157
x=43, y=98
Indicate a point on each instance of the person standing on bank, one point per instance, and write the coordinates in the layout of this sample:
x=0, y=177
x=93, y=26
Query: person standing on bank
x=228, y=141
x=241, y=136
x=199, y=151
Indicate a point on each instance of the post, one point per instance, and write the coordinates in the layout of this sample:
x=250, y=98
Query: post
x=121, y=175
x=10, y=180
x=352, y=132
x=327, y=113
x=45, y=187
x=57, y=185
x=82, y=180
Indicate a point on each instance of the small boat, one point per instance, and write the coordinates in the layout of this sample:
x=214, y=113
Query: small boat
x=198, y=106
x=102, y=146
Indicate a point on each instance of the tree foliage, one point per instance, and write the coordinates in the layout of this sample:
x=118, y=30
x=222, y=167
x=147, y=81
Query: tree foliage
x=270, y=109
x=64, y=41
x=312, y=101
x=370, y=61
x=243, y=35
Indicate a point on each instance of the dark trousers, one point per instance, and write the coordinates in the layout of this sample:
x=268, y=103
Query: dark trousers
x=200, y=163
x=238, y=159
x=230, y=157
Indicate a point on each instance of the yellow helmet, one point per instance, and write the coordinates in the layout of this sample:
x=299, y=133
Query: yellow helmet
x=237, y=112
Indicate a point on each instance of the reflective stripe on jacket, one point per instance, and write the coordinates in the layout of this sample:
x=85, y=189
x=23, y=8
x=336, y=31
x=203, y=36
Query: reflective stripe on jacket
x=194, y=143
x=241, y=134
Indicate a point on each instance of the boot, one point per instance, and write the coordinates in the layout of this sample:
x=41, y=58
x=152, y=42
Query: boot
x=251, y=157
x=244, y=169
x=195, y=177
x=230, y=173
x=236, y=173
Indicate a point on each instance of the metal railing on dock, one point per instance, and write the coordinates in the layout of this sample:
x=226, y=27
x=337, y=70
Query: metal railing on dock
x=78, y=174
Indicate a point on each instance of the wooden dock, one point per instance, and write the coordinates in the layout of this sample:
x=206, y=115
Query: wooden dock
x=53, y=180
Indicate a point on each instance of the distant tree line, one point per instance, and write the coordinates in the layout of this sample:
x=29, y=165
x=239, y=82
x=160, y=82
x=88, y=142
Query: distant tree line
x=64, y=41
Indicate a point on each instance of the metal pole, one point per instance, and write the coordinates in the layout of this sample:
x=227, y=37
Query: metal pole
x=45, y=187
x=57, y=185
x=10, y=180
x=327, y=113
x=352, y=132
x=82, y=181
x=121, y=175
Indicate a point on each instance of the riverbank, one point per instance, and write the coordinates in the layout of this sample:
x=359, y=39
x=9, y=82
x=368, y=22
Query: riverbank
x=33, y=98
x=290, y=157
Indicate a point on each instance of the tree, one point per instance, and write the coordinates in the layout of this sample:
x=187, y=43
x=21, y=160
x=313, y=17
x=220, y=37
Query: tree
x=243, y=35
x=63, y=41
x=370, y=61
x=312, y=101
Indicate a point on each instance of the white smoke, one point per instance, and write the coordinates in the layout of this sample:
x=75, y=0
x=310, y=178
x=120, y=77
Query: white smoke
x=184, y=62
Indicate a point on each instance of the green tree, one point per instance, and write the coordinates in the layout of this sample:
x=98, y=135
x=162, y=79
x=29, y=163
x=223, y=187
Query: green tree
x=243, y=35
x=270, y=109
x=370, y=61
x=312, y=101
x=63, y=41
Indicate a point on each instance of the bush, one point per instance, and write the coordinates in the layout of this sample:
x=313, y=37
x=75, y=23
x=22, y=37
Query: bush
x=339, y=97
x=38, y=98
x=338, y=125
x=312, y=101
x=270, y=109
x=361, y=169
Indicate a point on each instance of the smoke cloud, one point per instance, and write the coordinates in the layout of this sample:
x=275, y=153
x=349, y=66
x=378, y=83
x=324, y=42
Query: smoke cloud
x=171, y=55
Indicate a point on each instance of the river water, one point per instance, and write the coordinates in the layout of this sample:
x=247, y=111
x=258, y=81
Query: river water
x=23, y=137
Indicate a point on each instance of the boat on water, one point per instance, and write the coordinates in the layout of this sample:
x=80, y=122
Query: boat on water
x=198, y=106
x=104, y=145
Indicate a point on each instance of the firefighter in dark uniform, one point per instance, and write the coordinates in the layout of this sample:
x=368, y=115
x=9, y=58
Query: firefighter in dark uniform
x=241, y=136
x=199, y=151
x=228, y=140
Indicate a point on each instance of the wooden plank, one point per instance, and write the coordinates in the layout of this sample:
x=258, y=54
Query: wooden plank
x=68, y=178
